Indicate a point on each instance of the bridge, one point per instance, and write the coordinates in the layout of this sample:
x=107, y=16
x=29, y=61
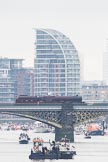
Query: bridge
x=61, y=116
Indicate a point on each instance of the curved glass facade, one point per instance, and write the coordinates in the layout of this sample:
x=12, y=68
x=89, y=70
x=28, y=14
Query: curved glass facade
x=56, y=65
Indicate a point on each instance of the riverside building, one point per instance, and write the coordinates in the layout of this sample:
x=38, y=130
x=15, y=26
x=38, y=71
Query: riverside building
x=8, y=68
x=56, y=65
x=14, y=80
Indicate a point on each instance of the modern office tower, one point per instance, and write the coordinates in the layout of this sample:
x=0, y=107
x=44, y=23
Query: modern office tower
x=56, y=65
x=10, y=76
x=105, y=64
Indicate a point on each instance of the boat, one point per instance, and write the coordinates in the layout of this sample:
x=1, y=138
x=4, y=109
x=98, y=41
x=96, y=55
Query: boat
x=87, y=135
x=25, y=128
x=42, y=130
x=24, y=138
x=94, y=129
x=56, y=150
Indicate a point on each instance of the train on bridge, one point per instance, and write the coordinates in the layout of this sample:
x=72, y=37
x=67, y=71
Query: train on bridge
x=23, y=99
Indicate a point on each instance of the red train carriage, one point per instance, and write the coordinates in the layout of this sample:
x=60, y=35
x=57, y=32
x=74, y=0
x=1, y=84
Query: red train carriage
x=47, y=99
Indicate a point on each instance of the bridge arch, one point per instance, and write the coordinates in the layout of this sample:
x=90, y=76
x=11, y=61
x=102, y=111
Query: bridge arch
x=53, y=124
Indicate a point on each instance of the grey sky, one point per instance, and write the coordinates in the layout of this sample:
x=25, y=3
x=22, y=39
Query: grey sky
x=85, y=22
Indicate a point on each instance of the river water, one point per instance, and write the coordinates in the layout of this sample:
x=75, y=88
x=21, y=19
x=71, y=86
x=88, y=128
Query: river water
x=88, y=150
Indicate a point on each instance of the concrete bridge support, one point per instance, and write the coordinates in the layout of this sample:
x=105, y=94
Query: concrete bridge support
x=66, y=122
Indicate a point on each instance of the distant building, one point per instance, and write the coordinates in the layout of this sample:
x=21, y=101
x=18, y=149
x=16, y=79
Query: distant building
x=11, y=80
x=24, y=82
x=94, y=91
x=56, y=65
x=8, y=68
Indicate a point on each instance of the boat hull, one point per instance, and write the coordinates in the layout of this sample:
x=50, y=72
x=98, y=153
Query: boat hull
x=58, y=155
x=24, y=142
x=95, y=133
x=42, y=156
x=41, y=130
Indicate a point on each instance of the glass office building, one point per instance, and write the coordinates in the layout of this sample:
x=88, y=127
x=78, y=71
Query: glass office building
x=14, y=80
x=56, y=65
x=8, y=72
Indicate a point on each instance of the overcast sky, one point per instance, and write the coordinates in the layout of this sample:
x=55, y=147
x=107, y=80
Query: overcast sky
x=85, y=22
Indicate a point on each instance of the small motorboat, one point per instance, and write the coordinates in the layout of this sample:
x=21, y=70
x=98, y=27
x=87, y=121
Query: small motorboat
x=24, y=138
x=56, y=150
x=87, y=136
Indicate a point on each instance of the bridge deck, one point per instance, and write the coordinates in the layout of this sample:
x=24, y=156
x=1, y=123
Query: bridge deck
x=51, y=107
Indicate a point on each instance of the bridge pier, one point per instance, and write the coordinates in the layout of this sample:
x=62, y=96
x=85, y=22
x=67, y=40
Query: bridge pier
x=66, y=122
x=61, y=133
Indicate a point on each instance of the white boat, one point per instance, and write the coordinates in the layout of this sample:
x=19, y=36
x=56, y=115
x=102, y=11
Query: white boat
x=41, y=130
x=24, y=138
